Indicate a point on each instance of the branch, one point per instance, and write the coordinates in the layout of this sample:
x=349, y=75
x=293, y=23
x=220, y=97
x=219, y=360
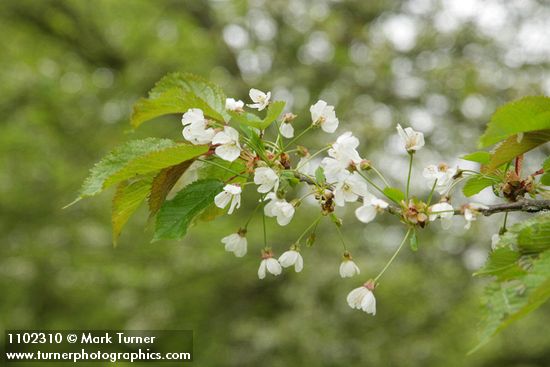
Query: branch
x=524, y=205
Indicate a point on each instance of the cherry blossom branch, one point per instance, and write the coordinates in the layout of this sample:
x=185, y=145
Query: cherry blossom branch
x=524, y=205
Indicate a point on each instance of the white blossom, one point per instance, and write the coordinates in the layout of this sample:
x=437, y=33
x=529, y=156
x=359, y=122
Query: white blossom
x=270, y=265
x=292, y=257
x=267, y=179
x=195, y=127
x=235, y=243
x=234, y=105
x=322, y=114
x=444, y=211
x=345, y=149
x=349, y=188
x=471, y=211
x=443, y=174
x=279, y=208
x=334, y=169
x=260, y=99
x=228, y=147
x=348, y=268
x=412, y=140
x=287, y=130
x=230, y=194
x=362, y=298
x=342, y=155
x=371, y=206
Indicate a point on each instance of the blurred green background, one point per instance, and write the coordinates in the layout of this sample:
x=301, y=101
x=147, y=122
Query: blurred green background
x=70, y=71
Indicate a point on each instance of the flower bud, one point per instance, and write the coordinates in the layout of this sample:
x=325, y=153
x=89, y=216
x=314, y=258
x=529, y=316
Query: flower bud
x=336, y=220
x=365, y=165
x=302, y=151
x=289, y=117
x=311, y=239
x=285, y=160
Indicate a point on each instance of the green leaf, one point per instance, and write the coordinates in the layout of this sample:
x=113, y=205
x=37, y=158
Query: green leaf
x=177, y=214
x=134, y=158
x=525, y=115
x=178, y=92
x=502, y=263
x=320, y=175
x=476, y=183
x=521, y=265
x=128, y=197
x=157, y=160
x=511, y=148
x=479, y=157
x=534, y=238
x=254, y=141
x=273, y=111
x=252, y=120
x=545, y=179
x=119, y=158
x=413, y=241
x=288, y=179
x=219, y=169
x=508, y=301
x=246, y=118
x=163, y=182
x=394, y=194
x=546, y=164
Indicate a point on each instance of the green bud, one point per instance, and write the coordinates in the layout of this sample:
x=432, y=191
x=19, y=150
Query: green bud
x=311, y=239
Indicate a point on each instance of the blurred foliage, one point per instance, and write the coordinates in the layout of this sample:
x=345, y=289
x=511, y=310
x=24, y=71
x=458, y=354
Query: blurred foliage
x=71, y=71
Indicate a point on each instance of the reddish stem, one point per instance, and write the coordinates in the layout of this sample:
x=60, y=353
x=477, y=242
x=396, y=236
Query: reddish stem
x=519, y=162
x=539, y=172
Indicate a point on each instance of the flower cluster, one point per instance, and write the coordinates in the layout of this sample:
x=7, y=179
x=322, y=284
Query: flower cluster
x=342, y=177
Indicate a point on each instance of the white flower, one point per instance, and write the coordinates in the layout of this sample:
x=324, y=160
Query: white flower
x=234, y=105
x=495, y=239
x=342, y=154
x=345, y=149
x=230, y=193
x=322, y=114
x=229, y=148
x=287, y=130
x=443, y=174
x=267, y=179
x=348, y=268
x=371, y=206
x=349, y=189
x=260, y=99
x=471, y=211
x=413, y=140
x=362, y=298
x=446, y=213
x=235, y=243
x=270, y=264
x=279, y=208
x=194, y=129
x=334, y=169
x=292, y=257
